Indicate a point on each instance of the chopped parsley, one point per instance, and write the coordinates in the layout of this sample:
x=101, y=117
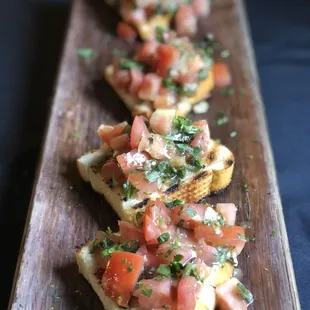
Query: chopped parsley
x=174, y=203
x=215, y=223
x=86, y=53
x=175, y=245
x=127, y=129
x=190, y=212
x=202, y=75
x=244, y=238
x=222, y=119
x=159, y=31
x=124, y=261
x=129, y=189
x=130, y=267
x=225, y=53
x=224, y=254
x=146, y=292
x=233, y=134
x=119, y=52
x=107, y=247
x=273, y=234
x=246, y=187
x=164, y=237
x=126, y=63
x=245, y=293
x=164, y=270
x=228, y=91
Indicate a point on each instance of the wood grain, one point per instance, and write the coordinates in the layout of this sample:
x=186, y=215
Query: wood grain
x=65, y=212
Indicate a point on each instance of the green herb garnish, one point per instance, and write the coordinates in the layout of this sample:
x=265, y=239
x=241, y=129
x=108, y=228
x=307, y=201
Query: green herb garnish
x=245, y=293
x=228, y=91
x=159, y=31
x=225, y=53
x=126, y=63
x=273, y=234
x=174, y=203
x=146, y=292
x=244, y=238
x=222, y=119
x=190, y=212
x=164, y=270
x=129, y=189
x=202, y=75
x=164, y=237
x=86, y=53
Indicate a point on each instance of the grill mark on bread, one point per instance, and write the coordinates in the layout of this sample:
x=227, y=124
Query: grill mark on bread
x=141, y=204
x=172, y=189
x=200, y=175
x=229, y=162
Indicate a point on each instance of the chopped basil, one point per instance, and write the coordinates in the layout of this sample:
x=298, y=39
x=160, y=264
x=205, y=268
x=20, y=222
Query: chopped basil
x=190, y=212
x=228, y=91
x=245, y=293
x=86, y=53
x=126, y=63
x=164, y=237
x=146, y=292
x=185, y=148
x=244, y=238
x=119, y=52
x=202, y=74
x=159, y=34
x=178, y=257
x=222, y=119
x=224, y=254
x=124, y=261
x=246, y=187
x=175, y=245
x=273, y=234
x=215, y=223
x=108, y=247
x=129, y=190
x=164, y=270
x=225, y=53
x=152, y=176
x=174, y=203
x=129, y=268
x=170, y=84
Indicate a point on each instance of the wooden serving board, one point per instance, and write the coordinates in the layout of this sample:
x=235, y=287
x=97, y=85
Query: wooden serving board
x=65, y=212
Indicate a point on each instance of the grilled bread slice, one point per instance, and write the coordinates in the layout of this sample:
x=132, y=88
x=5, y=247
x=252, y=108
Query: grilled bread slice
x=216, y=176
x=92, y=273
x=140, y=107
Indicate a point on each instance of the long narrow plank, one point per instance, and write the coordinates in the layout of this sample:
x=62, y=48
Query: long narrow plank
x=65, y=212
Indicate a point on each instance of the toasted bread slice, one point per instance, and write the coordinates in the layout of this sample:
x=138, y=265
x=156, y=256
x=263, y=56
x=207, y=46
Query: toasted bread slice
x=140, y=107
x=89, y=269
x=216, y=176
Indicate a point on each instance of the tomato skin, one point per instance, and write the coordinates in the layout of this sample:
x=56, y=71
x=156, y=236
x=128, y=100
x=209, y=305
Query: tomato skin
x=187, y=291
x=185, y=21
x=120, y=143
x=222, y=76
x=150, y=258
x=126, y=32
x=106, y=133
x=228, y=210
x=167, y=55
x=111, y=169
x=138, y=180
x=161, y=121
x=202, y=138
x=150, y=87
x=227, y=237
x=129, y=231
x=136, y=80
x=122, y=78
x=118, y=281
x=131, y=160
x=138, y=130
x=146, y=52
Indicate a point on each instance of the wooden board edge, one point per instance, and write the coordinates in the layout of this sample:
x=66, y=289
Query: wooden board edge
x=268, y=153
x=39, y=164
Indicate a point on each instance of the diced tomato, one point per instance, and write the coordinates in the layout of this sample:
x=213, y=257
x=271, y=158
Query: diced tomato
x=229, y=236
x=192, y=65
x=130, y=14
x=156, y=221
x=151, y=260
x=160, y=294
x=131, y=160
x=150, y=87
x=120, y=143
x=126, y=32
x=202, y=269
x=129, y=231
x=121, y=276
x=206, y=252
x=187, y=293
x=222, y=76
x=111, y=169
x=138, y=180
x=161, y=121
x=165, y=99
x=189, y=214
x=122, y=78
x=167, y=56
x=156, y=146
x=106, y=133
x=228, y=210
x=138, y=130
x=136, y=80
x=228, y=296
x=185, y=21
x=146, y=52
x=201, y=7
x=202, y=138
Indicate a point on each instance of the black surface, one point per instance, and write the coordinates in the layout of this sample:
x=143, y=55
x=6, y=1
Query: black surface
x=32, y=34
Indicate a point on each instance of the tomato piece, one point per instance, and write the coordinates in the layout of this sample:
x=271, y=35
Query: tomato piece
x=154, y=294
x=228, y=210
x=222, y=76
x=134, y=16
x=138, y=180
x=126, y=32
x=129, y=231
x=146, y=52
x=138, y=130
x=150, y=87
x=187, y=293
x=106, y=133
x=165, y=99
x=136, y=80
x=227, y=237
x=121, y=276
x=185, y=21
x=228, y=296
x=156, y=221
x=161, y=121
x=201, y=7
x=111, y=169
x=167, y=56
x=120, y=143
x=122, y=78
x=151, y=260
x=131, y=160
x=202, y=138
x=206, y=252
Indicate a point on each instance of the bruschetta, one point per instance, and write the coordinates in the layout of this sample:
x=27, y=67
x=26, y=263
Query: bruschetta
x=166, y=157
x=181, y=256
x=147, y=15
x=170, y=72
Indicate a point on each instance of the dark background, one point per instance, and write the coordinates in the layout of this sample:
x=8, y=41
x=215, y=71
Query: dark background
x=32, y=34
